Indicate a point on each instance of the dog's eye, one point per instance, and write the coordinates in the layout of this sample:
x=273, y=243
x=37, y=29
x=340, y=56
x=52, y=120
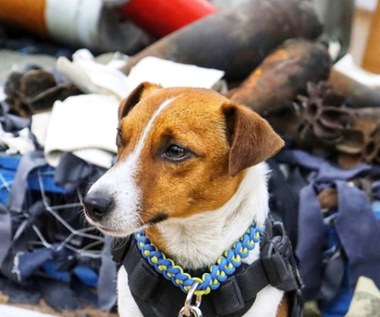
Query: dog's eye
x=119, y=140
x=176, y=153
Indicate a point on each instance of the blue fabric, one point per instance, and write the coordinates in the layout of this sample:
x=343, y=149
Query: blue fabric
x=8, y=166
x=29, y=262
x=107, y=278
x=73, y=171
x=311, y=241
x=326, y=172
x=5, y=232
x=86, y=275
x=52, y=268
x=376, y=209
x=376, y=189
x=50, y=259
x=28, y=162
x=357, y=230
x=9, y=122
x=8, y=169
x=340, y=304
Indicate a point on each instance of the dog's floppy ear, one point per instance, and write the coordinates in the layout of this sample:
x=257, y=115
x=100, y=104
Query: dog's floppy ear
x=142, y=90
x=251, y=137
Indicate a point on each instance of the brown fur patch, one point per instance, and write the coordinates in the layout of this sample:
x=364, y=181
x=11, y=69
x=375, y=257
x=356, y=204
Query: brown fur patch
x=252, y=138
x=135, y=96
x=283, y=308
x=196, y=121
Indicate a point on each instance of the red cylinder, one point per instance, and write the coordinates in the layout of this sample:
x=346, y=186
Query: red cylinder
x=161, y=17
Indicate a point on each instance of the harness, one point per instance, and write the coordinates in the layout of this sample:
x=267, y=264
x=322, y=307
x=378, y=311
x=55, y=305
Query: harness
x=158, y=297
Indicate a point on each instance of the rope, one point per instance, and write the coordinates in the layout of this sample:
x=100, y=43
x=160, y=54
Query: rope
x=218, y=273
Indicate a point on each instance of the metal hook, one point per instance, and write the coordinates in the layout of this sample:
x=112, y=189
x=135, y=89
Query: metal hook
x=189, y=310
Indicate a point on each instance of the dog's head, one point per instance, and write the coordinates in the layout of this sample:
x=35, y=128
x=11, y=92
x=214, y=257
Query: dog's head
x=181, y=151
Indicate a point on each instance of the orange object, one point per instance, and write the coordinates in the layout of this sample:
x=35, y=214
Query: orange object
x=162, y=17
x=371, y=60
x=74, y=22
x=27, y=14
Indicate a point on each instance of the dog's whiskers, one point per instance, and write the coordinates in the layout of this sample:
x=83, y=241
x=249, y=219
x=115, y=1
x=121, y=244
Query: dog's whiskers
x=119, y=243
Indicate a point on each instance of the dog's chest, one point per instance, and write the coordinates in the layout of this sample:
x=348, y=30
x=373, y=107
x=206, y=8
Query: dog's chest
x=266, y=303
x=198, y=241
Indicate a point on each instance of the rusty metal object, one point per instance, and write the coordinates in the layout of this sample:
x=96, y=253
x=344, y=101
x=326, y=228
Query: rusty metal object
x=45, y=100
x=238, y=38
x=371, y=59
x=282, y=75
x=321, y=118
x=326, y=123
x=34, y=91
x=36, y=81
x=356, y=93
x=361, y=142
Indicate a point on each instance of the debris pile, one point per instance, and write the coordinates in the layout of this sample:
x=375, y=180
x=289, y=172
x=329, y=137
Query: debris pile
x=58, y=130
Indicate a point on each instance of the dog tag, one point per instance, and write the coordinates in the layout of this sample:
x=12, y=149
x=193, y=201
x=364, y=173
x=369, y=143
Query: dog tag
x=194, y=312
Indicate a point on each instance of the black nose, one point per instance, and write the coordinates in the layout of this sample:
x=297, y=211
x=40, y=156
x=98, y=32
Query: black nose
x=97, y=205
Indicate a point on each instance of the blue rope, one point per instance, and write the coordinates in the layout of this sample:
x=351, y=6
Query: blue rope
x=225, y=266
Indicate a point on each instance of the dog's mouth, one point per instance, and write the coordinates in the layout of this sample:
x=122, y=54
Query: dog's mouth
x=116, y=229
x=112, y=232
x=157, y=218
x=113, y=228
x=116, y=232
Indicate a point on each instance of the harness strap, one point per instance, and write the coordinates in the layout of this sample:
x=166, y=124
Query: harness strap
x=158, y=297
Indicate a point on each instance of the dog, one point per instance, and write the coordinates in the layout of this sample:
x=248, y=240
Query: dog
x=191, y=173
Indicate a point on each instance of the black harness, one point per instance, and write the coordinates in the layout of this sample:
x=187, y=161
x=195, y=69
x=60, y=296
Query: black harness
x=158, y=297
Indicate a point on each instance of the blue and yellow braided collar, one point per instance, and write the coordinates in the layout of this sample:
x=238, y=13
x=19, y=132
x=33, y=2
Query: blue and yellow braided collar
x=225, y=266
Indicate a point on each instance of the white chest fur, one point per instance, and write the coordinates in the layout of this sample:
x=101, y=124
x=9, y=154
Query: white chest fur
x=197, y=241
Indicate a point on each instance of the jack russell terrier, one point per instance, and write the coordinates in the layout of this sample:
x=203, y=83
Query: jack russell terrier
x=189, y=189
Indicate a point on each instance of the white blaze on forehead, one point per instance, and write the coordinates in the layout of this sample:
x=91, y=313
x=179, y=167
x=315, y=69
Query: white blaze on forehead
x=144, y=135
x=120, y=183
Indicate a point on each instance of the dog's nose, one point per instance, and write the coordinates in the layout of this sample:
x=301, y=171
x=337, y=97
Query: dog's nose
x=97, y=205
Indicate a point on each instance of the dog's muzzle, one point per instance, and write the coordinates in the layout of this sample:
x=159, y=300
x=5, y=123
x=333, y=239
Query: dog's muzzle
x=97, y=205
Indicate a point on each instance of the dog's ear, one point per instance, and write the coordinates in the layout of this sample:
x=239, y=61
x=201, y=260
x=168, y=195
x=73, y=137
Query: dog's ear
x=142, y=90
x=251, y=137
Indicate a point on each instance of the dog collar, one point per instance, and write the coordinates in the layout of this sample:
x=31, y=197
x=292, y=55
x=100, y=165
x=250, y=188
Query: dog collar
x=218, y=273
x=157, y=296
